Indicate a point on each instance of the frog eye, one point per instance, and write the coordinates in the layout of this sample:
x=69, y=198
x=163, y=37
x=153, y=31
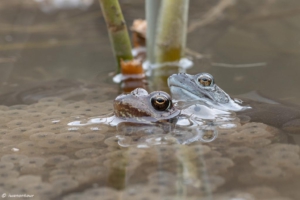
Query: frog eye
x=160, y=103
x=206, y=80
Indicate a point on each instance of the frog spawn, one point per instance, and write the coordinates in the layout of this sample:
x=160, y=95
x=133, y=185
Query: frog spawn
x=40, y=155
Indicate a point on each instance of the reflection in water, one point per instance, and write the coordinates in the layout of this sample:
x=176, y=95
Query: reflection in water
x=224, y=158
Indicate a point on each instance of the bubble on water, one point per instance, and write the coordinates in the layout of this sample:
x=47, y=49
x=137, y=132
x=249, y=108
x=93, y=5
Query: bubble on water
x=57, y=172
x=14, y=136
x=42, y=136
x=218, y=164
x=7, y=174
x=50, y=99
x=254, y=125
x=159, y=189
x=64, y=184
x=8, y=184
x=25, y=179
x=27, y=144
x=33, y=170
x=292, y=166
x=263, y=192
x=49, y=110
x=244, y=119
x=105, y=108
x=3, y=108
x=76, y=196
x=18, y=107
x=86, y=111
x=284, y=148
x=62, y=112
x=60, y=177
x=114, y=141
x=13, y=158
x=118, y=154
x=91, y=137
x=198, y=150
x=55, y=128
x=105, y=193
x=4, y=132
x=66, y=164
x=234, y=195
x=78, y=144
x=53, y=160
x=88, y=153
x=4, y=119
x=5, y=142
x=45, y=105
x=6, y=166
x=240, y=137
x=268, y=172
x=41, y=188
x=100, y=159
x=68, y=136
x=75, y=105
x=34, y=151
x=262, y=162
x=84, y=162
x=18, y=123
x=50, y=143
x=134, y=153
x=161, y=175
x=15, y=113
x=146, y=196
x=33, y=116
x=259, y=142
x=33, y=162
x=225, y=133
x=31, y=131
x=214, y=181
x=257, y=132
x=212, y=154
x=240, y=151
x=284, y=157
x=96, y=171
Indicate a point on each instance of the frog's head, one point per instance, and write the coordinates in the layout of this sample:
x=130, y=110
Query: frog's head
x=201, y=87
x=139, y=105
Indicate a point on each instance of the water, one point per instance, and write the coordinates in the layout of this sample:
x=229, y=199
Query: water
x=247, y=46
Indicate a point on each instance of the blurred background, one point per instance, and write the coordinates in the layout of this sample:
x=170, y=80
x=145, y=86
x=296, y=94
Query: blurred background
x=246, y=45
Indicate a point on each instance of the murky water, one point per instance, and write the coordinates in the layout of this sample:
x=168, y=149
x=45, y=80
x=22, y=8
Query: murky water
x=247, y=46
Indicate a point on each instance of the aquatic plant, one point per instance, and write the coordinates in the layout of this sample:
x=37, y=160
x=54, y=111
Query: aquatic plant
x=117, y=30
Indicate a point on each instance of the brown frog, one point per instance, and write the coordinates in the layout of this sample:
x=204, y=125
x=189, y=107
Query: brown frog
x=141, y=106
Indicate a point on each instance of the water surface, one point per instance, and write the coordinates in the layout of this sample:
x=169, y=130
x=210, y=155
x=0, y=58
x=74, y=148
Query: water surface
x=247, y=46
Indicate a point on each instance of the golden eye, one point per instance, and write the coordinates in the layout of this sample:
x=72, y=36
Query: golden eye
x=205, y=80
x=160, y=103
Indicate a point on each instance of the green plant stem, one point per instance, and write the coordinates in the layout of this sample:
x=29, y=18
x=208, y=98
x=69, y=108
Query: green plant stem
x=171, y=31
x=117, y=30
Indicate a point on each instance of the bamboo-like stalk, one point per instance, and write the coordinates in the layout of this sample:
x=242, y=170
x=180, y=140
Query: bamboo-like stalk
x=117, y=30
x=171, y=31
x=152, y=13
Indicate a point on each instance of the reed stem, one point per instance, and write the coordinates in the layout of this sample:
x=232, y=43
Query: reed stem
x=117, y=30
x=171, y=31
